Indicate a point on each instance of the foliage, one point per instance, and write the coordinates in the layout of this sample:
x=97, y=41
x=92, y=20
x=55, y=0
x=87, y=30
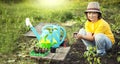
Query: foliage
x=66, y=16
x=12, y=25
x=106, y=1
x=11, y=1
x=91, y=56
x=118, y=58
x=10, y=29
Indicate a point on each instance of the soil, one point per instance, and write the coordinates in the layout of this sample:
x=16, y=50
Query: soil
x=75, y=55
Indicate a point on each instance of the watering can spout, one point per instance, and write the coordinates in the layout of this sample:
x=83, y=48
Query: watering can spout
x=28, y=23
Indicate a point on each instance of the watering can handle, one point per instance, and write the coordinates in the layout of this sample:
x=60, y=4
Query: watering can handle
x=64, y=31
x=46, y=26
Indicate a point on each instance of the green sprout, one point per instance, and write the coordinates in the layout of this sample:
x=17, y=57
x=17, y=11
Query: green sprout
x=91, y=56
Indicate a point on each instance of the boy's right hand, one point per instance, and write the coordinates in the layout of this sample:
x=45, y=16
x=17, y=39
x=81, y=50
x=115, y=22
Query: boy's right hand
x=75, y=35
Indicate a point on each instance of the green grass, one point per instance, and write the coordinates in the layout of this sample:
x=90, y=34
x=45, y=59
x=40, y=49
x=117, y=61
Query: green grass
x=12, y=22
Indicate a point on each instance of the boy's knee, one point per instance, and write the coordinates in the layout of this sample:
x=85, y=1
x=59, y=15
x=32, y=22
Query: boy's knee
x=99, y=36
x=82, y=31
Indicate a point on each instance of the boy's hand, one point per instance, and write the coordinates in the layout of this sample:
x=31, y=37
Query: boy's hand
x=75, y=35
x=79, y=36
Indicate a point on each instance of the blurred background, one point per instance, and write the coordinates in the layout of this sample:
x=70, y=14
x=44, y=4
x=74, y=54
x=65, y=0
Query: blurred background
x=14, y=12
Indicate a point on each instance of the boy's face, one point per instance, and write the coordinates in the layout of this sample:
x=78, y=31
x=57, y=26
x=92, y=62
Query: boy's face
x=92, y=16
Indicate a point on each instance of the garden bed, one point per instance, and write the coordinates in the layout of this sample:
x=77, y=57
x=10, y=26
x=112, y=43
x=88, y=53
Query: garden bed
x=75, y=56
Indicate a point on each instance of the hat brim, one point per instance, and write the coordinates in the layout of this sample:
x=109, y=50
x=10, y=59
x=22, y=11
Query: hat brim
x=92, y=11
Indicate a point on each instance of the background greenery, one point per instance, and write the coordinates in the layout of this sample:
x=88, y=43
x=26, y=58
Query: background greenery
x=14, y=12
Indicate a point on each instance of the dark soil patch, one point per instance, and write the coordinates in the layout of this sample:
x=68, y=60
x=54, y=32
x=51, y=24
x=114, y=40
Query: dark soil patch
x=75, y=55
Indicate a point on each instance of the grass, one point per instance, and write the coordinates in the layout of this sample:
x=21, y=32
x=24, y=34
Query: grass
x=12, y=23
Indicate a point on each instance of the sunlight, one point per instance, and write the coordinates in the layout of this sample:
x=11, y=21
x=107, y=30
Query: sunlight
x=52, y=3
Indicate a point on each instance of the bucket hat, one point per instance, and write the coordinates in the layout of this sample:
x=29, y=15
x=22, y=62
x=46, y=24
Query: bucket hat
x=93, y=7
